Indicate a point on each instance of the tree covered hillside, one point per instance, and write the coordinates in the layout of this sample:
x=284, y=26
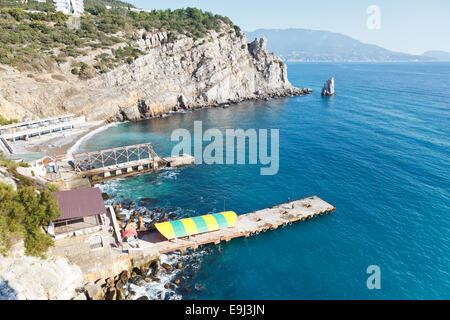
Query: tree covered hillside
x=36, y=41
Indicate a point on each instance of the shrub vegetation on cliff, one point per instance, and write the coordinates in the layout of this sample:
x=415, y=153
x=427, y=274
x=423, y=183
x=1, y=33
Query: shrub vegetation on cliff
x=22, y=215
x=39, y=40
x=4, y=121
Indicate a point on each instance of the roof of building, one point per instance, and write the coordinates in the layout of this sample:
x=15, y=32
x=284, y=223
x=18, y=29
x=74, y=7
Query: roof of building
x=80, y=203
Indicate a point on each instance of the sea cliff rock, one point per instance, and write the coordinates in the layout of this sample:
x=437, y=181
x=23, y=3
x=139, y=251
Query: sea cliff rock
x=30, y=278
x=219, y=69
x=328, y=88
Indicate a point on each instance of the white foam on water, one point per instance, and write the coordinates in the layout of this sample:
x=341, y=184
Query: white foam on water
x=111, y=187
x=169, y=173
x=156, y=291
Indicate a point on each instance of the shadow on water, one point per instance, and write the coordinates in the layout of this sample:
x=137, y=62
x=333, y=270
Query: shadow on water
x=6, y=292
x=327, y=101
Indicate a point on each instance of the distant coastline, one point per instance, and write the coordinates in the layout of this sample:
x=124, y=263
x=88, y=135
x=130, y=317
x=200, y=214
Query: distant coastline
x=326, y=46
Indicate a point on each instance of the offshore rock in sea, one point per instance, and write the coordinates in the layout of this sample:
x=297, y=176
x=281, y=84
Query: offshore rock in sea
x=328, y=88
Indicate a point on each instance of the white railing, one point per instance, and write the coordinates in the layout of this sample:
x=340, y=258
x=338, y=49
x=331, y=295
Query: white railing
x=27, y=123
x=44, y=129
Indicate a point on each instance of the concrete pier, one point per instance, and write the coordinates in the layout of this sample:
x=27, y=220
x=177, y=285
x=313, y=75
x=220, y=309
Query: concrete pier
x=135, y=167
x=102, y=165
x=246, y=225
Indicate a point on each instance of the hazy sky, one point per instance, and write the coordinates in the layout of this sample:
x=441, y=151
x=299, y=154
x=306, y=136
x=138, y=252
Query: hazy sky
x=411, y=26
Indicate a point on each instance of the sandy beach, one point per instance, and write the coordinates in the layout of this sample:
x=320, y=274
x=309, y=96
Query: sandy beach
x=58, y=144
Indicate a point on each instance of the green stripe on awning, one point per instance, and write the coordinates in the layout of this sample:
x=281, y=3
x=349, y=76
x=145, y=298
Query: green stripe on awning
x=200, y=224
x=178, y=228
x=221, y=221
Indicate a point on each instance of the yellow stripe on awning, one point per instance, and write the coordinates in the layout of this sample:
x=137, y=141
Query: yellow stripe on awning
x=166, y=229
x=190, y=227
x=211, y=222
x=231, y=218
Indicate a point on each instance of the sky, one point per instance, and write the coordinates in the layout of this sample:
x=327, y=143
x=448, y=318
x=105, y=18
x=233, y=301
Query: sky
x=413, y=26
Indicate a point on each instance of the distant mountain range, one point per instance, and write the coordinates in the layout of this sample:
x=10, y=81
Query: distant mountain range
x=311, y=45
x=437, y=54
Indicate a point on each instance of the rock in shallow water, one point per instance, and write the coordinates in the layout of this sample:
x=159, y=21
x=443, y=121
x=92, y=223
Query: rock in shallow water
x=167, y=266
x=105, y=196
x=144, y=202
x=138, y=281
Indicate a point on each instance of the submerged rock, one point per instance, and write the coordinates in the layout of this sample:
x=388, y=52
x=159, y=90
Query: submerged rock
x=105, y=196
x=172, y=216
x=148, y=202
x=167, y=266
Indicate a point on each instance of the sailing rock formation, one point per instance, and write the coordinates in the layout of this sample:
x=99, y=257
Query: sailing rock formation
x=328, y=88
x=184, y=74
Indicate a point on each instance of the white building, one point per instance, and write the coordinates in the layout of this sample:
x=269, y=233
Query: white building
x=72, y=7
x=140, y=10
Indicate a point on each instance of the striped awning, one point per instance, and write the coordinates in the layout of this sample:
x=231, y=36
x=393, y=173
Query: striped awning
x=191, y=226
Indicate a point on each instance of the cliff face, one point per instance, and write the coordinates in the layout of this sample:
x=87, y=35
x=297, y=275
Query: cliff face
x=30, y=278
x=184, y=74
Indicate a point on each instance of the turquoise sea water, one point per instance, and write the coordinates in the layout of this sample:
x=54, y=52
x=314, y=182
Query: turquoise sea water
x=379, y=151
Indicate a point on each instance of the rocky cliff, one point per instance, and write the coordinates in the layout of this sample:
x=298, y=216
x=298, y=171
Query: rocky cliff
x=29, y=278
x=218, y=69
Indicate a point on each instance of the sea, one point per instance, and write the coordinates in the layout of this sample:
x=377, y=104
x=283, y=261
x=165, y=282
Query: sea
x=379, y=151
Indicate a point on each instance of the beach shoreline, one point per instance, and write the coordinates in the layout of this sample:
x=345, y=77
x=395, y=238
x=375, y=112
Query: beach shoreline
x=60, y=145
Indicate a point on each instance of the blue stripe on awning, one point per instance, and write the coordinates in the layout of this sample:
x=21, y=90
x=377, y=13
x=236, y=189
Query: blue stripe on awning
x=200, y=224
x=221, y=221
x=178, y=228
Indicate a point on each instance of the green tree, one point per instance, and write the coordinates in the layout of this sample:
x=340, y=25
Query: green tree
x=23, y=213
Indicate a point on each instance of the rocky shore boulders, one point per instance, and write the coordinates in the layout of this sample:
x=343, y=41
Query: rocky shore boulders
x=121, y=287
